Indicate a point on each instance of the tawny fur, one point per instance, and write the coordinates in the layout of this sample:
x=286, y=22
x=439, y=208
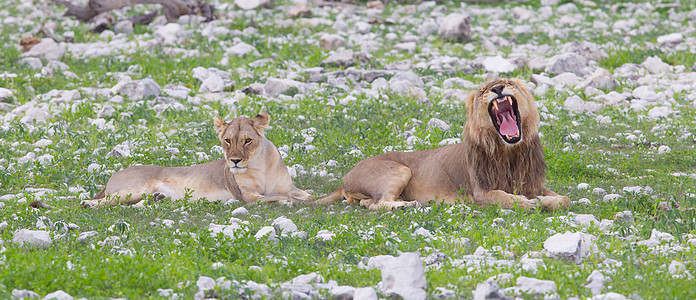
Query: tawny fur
x=252, y=170
x=483, y=168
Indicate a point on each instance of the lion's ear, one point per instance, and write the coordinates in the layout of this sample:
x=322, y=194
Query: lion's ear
x=261, y=121
x=219, y=125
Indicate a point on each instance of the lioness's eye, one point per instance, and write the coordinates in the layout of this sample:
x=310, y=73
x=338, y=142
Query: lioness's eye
x=247, y=141
x=228, y=141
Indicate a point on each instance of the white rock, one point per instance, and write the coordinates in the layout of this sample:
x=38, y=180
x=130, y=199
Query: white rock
x=532, y=264
x=261, y=290
x=487, y=290
x=34, y=238
x=498, y=64
x=456, y=82
x=437, y=123
x=600, y=79
x=586, y=220
x=330, y=42
x=124, y=26
x=139, y=89
x=227, y=230
x=5, y=94
x=455, y=27
x=575, y=104
x=659, y=112
x=169, y=34
x=407, y=47
x=609, y=296
x=42, y=143
x=423, y=232
x=427, y=28
x=47, y=49
x=32, y=62
x=241, y=49
x=366, y=293
x=251, y=4
x=85, y=235
x=566, y=62
x=363, y=27
x=274, y=87
x=656, y=238
x=570, y=245
x=610, y=197
x=343, y=59
x=342, y=292
x=678, y=270
x=625, y=217
x=535, y=286
x=205, y=283
x=266, y=231
x=58, y=295
x=402, y=276
x=212, y=84
x=325, y=235
x=670, y=40
x=595, y=282
x=655, y=65
x=284, y=226
x=239, y=211
x=25, y=294
x=664, y=149
x=645, y=93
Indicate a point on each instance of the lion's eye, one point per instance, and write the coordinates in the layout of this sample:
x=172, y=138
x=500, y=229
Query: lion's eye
x=247, y=141
x=228, y=141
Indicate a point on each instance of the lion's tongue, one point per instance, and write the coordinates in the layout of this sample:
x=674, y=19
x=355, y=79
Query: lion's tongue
x=508, y=126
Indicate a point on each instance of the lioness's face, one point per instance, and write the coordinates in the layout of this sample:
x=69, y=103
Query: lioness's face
x=505, y=106
x=240, y=139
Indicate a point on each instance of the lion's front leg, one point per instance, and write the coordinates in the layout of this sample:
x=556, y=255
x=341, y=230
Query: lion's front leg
x=505, y=200
x=550, y=200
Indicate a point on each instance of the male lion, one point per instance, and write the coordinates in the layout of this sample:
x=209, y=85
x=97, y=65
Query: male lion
x=252, y=169
x=499, y=161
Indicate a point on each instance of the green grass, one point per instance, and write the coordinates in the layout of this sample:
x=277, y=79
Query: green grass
x=150, y=256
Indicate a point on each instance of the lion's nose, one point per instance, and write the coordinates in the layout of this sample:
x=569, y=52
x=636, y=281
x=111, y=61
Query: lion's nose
x=235, y=161
x=498, y=89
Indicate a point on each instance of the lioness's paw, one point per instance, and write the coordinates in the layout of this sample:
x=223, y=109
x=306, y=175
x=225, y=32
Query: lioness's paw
x=88, y=204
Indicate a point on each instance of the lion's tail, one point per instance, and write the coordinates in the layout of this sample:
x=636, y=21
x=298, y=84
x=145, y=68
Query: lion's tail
x=332, y=198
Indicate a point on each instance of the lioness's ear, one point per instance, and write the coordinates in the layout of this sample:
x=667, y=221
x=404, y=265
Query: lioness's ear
x=261, y=121
x=219, y=125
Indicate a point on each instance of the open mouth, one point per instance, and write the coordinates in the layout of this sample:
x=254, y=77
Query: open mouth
x=506, y=118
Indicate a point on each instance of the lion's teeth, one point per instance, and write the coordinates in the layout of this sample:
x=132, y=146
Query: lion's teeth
x=518, y=133
x=495, y=104
x=507, y=136
x=509, y=99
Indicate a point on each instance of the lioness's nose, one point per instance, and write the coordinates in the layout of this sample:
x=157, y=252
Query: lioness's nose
x=235, y=161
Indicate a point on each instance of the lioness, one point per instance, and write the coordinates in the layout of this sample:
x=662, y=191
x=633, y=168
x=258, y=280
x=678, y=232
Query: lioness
x=252, y=169
x=499, y=161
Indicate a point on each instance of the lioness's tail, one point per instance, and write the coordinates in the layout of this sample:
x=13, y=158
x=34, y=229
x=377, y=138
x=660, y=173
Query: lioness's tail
x=99, y=195
x=332, y=198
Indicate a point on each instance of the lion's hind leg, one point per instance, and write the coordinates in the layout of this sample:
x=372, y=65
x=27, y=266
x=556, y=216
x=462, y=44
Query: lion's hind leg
x=378, y=184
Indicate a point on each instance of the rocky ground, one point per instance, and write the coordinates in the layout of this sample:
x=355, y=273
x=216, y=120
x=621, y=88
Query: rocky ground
x=614, y=82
